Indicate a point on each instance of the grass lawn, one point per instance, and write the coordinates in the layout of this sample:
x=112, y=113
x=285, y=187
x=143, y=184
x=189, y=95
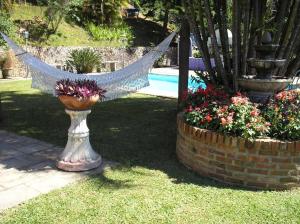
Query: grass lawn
x=149, y=186
x=146, y=33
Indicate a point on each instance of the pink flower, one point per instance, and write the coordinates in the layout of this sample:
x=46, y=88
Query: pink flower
x=223, y=121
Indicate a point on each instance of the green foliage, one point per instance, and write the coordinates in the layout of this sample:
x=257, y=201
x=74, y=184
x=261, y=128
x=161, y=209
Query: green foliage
x=84, y=60
x=6, y=25
x=37, y=28
x=110, y=33
x=74, y=12
x=284, y=115
x=6, y=5
x=211, y=109
x=55, y=13
x=103, y=12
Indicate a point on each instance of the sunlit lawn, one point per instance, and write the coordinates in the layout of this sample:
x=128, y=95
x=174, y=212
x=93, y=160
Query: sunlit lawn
x=149, y=186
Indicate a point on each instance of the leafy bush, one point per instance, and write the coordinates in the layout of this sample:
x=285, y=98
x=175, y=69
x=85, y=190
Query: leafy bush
x=74, y=12
x=55, y=12
x=84, y=60
x=6, y=26
x=106, y=33
x=212, y=109
x=37, y=28
x=79, y=88
x=284, y=115
x=103, y=12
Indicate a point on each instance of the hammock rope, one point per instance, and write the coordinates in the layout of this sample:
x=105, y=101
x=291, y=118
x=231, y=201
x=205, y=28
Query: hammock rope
x=117, y=83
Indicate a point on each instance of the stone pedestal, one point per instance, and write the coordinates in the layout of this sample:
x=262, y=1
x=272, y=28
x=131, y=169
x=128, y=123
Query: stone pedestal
x=78, y=154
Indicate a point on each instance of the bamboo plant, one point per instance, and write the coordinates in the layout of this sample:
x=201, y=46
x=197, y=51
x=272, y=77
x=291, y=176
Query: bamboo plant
x=248, y=20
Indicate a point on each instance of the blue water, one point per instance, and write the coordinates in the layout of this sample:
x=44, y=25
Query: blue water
x=169, y=82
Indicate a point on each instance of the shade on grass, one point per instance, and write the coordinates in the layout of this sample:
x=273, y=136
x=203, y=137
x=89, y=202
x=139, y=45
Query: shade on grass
x=149, y=186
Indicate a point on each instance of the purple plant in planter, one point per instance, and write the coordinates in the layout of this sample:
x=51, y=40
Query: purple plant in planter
x=82, y=89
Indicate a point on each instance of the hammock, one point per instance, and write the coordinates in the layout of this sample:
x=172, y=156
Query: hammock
x=117, y=84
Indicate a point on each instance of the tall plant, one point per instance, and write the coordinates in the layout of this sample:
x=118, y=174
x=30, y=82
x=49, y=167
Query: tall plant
x=248, y=20
x=55, y=13
x=103, y=11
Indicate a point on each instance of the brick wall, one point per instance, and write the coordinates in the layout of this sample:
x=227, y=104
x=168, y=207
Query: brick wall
x=259, y=164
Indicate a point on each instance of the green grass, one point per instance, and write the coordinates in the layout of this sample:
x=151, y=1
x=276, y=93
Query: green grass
x=73, y=35
x=149, y=186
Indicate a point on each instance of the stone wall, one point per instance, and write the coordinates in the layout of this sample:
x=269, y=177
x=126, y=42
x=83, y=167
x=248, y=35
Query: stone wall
x=57, y=56
x=259, y=164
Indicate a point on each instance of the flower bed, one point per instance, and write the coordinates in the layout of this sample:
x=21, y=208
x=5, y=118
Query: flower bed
x=259, y=163
x=232, y=140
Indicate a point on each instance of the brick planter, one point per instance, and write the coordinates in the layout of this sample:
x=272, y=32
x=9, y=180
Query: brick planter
x=259, y=164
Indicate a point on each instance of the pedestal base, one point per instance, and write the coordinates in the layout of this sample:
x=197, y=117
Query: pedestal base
x=78, y=154
x=79, y=166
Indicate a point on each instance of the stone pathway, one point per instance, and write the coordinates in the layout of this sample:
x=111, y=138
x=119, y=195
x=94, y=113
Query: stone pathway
x=27, y=169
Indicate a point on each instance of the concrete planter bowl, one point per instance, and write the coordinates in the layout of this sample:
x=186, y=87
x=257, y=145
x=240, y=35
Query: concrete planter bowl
x=260, y=164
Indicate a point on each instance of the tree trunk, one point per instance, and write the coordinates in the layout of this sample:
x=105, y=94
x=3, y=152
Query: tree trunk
x=1, y=113
x=288, y=32
x=236, y=41
x=200, y=38
x=166, y=20
x=220, y=9
x=294, y=42
x=246, y=36
x=280, y=16
x=216, y=52
x=184, y=48
x=294, y=65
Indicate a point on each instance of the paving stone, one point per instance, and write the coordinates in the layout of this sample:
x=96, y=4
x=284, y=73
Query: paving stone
x=28, y=169
x=31, y=148
x=16, y=195
x=9, y=152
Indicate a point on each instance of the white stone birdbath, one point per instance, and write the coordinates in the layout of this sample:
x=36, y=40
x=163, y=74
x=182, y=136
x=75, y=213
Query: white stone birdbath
x=78, y=154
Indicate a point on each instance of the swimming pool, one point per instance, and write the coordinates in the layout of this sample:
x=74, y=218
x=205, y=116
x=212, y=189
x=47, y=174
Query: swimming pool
x=166, y=85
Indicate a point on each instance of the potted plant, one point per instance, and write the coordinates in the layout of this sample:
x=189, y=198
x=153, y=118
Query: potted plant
x=7, y=63
x=84, y=60
x=78, y=94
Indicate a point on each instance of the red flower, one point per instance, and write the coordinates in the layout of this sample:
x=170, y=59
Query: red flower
x=208, y=118
x=205, y=104
x=189, y=109
x=254, y=113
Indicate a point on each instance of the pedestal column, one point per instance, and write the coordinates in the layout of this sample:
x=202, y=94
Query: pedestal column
x=78, y=154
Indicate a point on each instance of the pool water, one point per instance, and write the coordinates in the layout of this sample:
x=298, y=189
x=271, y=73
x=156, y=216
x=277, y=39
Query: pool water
x=169, y=82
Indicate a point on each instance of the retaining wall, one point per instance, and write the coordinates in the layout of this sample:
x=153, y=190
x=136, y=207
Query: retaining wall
x=259, y=164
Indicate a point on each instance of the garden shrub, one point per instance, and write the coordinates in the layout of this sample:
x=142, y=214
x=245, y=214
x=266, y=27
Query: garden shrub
x=6, y=26
x=212, y=109
x=84, y=60
x=283, y=112
x=108, y=33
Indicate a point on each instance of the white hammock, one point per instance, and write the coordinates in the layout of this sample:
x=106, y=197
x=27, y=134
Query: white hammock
x=117, y=84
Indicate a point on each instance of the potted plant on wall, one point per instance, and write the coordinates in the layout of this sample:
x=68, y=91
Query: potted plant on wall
x=78, y=97
x=7, y=63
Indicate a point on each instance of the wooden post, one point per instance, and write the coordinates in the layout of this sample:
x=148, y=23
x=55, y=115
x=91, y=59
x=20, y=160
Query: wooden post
x=1, y=114
x=184, y=48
